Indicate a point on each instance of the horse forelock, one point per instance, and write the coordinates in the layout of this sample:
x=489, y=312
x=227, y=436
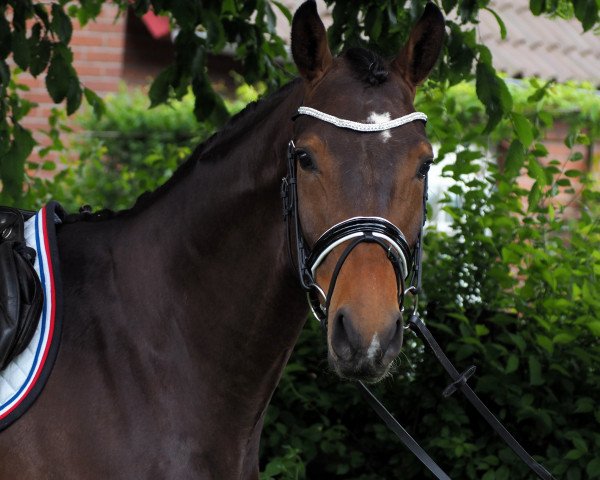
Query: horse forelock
x=367, y=65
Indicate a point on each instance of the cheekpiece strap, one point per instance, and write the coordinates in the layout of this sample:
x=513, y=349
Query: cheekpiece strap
x=362, y=127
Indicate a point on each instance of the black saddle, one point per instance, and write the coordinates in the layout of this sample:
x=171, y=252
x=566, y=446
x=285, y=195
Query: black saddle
x=21, y=296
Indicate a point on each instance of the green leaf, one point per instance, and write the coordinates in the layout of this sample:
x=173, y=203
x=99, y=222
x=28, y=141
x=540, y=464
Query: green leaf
x=576, y=156
x=584, y=405
x=40, y=10
x=283, y=9
x=535, y=371
x=24, y=141
x=574, y=454
x=95, y=102
x=573, y=173
x=523, y=129
x=515, y=158
x=481, y=330
x=208, y=105
x=536, y=6
x=493, y=94
x=49, y=166
x=228, y=7
x=39, y=57
x=159, y=90
x=373, y=22
x=61, y=23
x=271, y=20
x=502, y=473
x=4, y=74
x=186, y=13
x=544, y=342
x=73, y=95
x=593, y=468
x=536, y=171
x=21, y=50
x=58, y=78
x=563, y=338
x=215, y=37
x=489, y=475
x=5, y=38
x=594, y=327
x=580, y=444
x=534, y=196
x=586, y=12
x=12, y=163
x=512, y=364
x=500, y=22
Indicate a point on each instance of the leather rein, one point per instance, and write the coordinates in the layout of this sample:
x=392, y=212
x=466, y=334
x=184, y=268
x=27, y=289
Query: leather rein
x=407, y=267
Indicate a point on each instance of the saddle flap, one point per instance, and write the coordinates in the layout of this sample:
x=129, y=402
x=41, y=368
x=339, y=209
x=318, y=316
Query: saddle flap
x=21, y=297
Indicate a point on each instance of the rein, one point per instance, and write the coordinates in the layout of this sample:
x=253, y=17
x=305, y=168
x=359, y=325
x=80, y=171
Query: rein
x=391, y=239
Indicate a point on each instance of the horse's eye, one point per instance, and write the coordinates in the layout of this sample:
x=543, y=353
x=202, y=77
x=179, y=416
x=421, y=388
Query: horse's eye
x=305, y=160
x=425, y=168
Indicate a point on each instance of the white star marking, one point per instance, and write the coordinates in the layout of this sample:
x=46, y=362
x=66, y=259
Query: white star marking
x=380, y=118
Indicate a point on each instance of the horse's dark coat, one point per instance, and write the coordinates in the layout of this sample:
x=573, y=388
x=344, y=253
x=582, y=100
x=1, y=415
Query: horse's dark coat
x=181, y=313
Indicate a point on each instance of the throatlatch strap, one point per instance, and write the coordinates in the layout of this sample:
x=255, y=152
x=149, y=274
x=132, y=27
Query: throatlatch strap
x=402, y=434
x=460, y=383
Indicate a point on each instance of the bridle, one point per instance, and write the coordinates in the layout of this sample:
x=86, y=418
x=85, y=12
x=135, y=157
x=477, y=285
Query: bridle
x=352, y=231
x=407, y=268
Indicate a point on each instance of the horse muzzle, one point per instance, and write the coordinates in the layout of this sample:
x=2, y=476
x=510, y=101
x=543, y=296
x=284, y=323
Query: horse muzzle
x=359, y=356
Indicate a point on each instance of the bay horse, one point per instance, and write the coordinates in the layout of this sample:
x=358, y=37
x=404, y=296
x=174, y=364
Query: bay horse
x=180, y=313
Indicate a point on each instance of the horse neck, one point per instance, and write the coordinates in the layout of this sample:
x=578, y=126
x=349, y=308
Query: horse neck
x=214, y=247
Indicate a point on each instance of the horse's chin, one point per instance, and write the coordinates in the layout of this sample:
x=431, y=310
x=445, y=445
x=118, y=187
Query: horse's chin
x=365, y=371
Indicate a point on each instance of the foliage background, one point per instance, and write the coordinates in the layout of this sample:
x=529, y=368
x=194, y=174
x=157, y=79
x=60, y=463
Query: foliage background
x=512, y=288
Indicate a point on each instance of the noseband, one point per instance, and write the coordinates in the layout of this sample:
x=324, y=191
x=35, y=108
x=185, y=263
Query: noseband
x=352, y=231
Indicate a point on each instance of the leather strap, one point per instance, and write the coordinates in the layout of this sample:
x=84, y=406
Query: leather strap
x=460, y=383
x=402, y=434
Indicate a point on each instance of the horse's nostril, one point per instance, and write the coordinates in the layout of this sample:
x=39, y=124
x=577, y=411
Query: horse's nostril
x=341, y=340
x=395, y=342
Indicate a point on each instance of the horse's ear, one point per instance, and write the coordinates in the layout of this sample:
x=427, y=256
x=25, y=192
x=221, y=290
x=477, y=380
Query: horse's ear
x=309, y=42
x=423, y=48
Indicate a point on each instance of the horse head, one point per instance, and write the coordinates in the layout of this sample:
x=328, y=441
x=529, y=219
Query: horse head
x=345, y=177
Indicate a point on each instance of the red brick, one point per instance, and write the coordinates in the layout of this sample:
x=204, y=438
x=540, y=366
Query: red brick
x=105, y=55
x=102, y=85
x=106, y=27
x=85, y=40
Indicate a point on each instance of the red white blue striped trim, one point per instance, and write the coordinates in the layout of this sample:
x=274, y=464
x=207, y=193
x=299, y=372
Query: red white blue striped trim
x=20, y=378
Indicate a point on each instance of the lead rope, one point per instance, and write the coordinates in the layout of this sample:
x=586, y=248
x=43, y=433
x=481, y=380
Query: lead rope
x=401, y=433
x=460, y=383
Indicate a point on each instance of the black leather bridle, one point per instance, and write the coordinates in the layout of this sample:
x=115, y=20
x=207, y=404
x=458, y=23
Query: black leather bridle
x=353, y=231
x=407, y=267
